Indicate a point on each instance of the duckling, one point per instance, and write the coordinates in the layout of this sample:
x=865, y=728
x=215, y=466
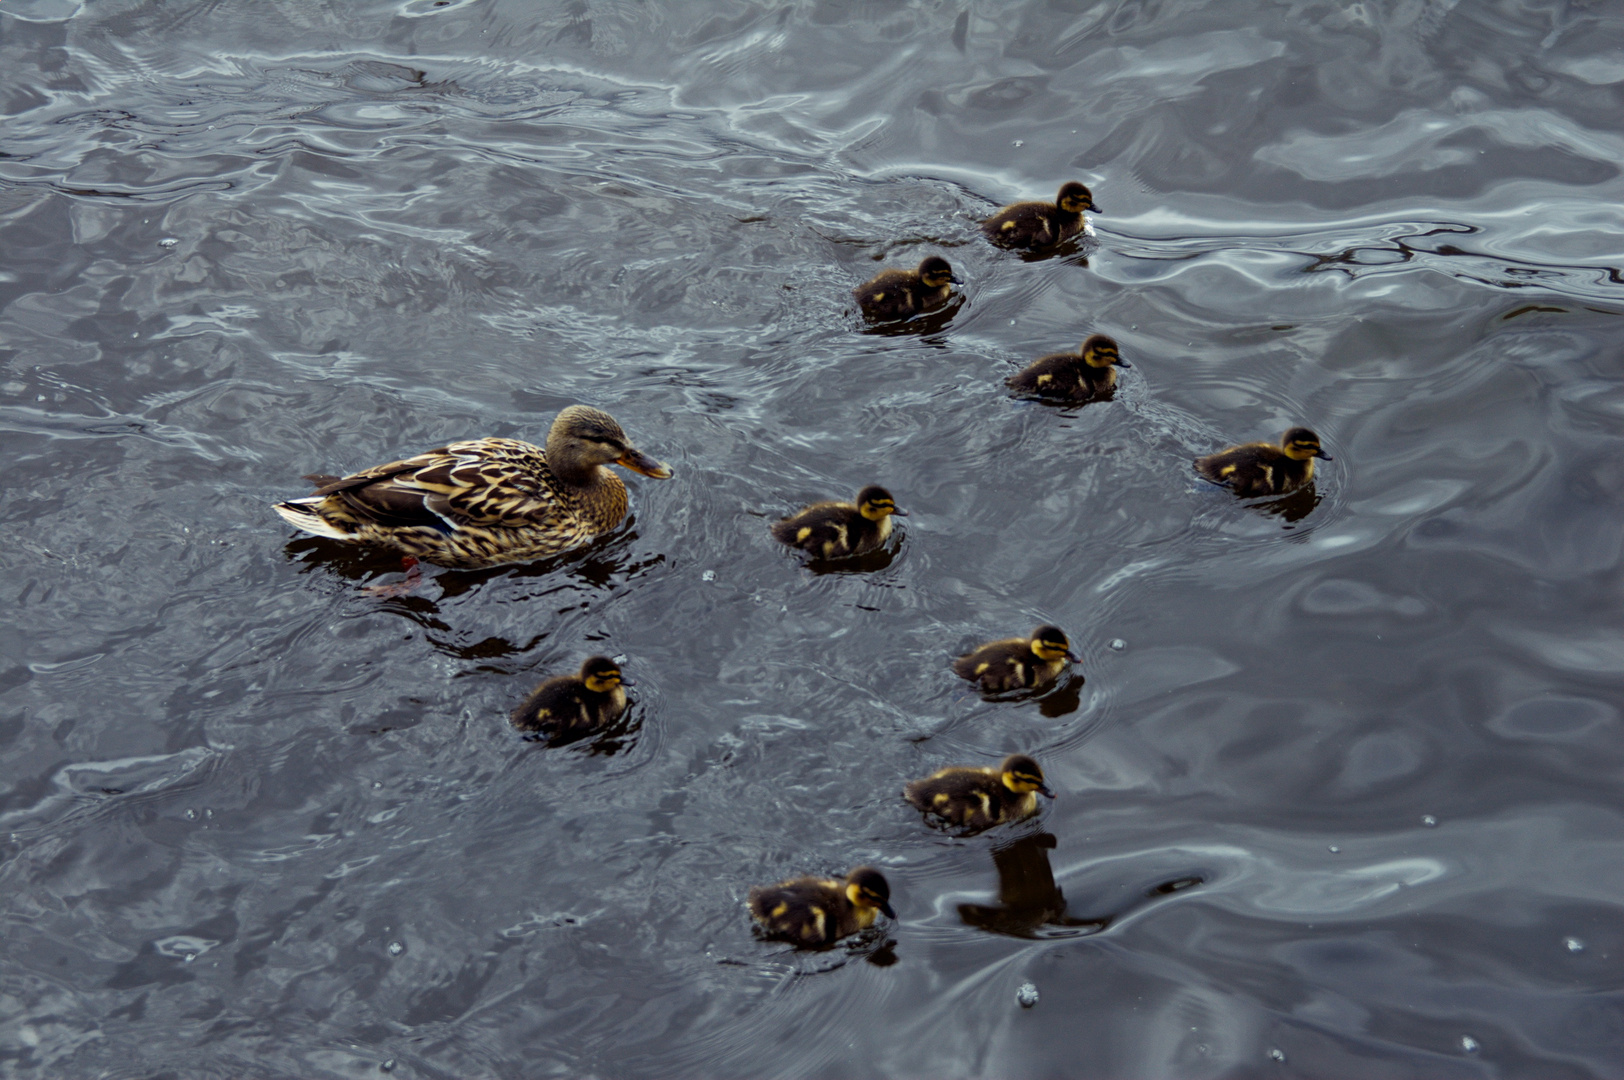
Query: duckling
x=484, y=502
x=977, y=799
x=1261, y=469
x=1085, y=375
x=897, y=294
x=835, y=530
x=569, y=707
x=1030, y=225
x=813, y=912
x=1018, y=663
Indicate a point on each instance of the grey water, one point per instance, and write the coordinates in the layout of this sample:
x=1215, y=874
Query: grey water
x=1339, y=789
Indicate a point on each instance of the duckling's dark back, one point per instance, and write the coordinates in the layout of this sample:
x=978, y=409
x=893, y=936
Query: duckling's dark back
x=808, y=911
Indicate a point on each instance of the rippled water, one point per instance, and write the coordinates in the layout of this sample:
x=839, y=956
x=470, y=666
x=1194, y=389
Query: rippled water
x=1343, y=803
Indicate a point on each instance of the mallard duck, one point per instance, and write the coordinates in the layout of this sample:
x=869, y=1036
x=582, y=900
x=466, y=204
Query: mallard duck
x=834, y=530
x=1262, y=469
x=813, y=912
x=979, y=798
x=897, y=294
x=568, y=707
x=1018, y=663
x=1040, y=224
x=484, y=502
x=1085, y=375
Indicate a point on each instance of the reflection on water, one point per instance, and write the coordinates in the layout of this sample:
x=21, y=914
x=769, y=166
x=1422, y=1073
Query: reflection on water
x=253, y=811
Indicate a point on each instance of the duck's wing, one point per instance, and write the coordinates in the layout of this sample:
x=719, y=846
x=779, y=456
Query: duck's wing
x=484, y=482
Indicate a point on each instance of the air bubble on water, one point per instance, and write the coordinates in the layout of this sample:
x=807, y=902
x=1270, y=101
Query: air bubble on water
x=387, y=1066
x=1117, y=644
x=396, y=948
x=1026, y=996
x=1335, y=850
x=209, y=813
x=708, y=575
x=1429, y=821
x=191, y=815
x=1574, y=945
x=1468, y=1044
x=168, y=242
x=1277, y=1054
x=136, y=334
x=377, y=783
x=189, y=957
x=1020, y=142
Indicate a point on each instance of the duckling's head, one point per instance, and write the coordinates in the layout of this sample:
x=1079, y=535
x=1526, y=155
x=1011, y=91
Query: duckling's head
x=1074, y=198
x=866, y=887
x=602, y=675
x=582, y=438
x=875, y=503
x=1051, y=643
x=937, y=273
x=1100, y=351
x=1300, y=444
x=1022, y=775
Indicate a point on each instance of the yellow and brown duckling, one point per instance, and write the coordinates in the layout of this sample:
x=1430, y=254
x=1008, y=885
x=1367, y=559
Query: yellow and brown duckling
x=484, y=502
x=898, y=294
x=814, y=912
x=975, y=799
x=570, y=707
x=1029, y=663
x=836, y=530
x=1263, y=469
x=1036, y=225
x=1085, y=375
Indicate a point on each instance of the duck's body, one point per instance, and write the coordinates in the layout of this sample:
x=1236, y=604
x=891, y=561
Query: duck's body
x=975, y=799
x=569, y=707
x=484, y=502
x=1029, y=663
x=837, y=530
x=814, y=912
x=1089, y=374
x=1264, y=469
x=1032, y=226
x=899, y=294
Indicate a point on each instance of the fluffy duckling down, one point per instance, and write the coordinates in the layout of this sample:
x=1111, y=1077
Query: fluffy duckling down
x=837, y=530
x=484, y=502
x=1088, y=374
x=899, y=294
x=1036, y=225
x=570, y=707
x=1029, y=663
x=975, y=799
x=1264, y=469
x=815, y=912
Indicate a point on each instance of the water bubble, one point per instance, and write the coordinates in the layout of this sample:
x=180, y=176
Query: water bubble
x=1026, y=996
x=708, y=575
x=1020, y=142
x=1429, y=821
x=396, y=948
x=189, y=957
x=1469, y=1044
x=191, y=815
x=387, y=1066
x=208, y=813
x=1277, y=1054
x=1117, y=644
x=1335, y=850
x=136, y=334
x=168, y=242
x=1574, y=944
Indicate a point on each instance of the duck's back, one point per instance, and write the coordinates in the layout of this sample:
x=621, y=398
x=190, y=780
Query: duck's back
x=999, y=665
x=1031, y=225
x=1063, y=376
x=968, y=797
x=1255, y=469
x=807, y=910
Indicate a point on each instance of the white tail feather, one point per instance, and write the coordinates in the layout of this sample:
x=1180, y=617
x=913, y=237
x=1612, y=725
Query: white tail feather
x=301, y=514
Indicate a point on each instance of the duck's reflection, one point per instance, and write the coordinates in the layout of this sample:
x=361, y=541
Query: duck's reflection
x=1028, y=898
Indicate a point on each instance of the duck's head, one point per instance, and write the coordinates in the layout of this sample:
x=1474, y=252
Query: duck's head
x=1051, y=643
x=1300, y=444
x=1022, y=775
x=1100, y=351
x=582, y=438
x=602, y=675
x=1074, y=198
x=937, y=273
x=874, y=503
x=866, y=887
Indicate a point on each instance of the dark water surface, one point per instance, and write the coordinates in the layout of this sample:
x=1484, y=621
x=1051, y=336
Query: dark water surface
x=258, y=821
